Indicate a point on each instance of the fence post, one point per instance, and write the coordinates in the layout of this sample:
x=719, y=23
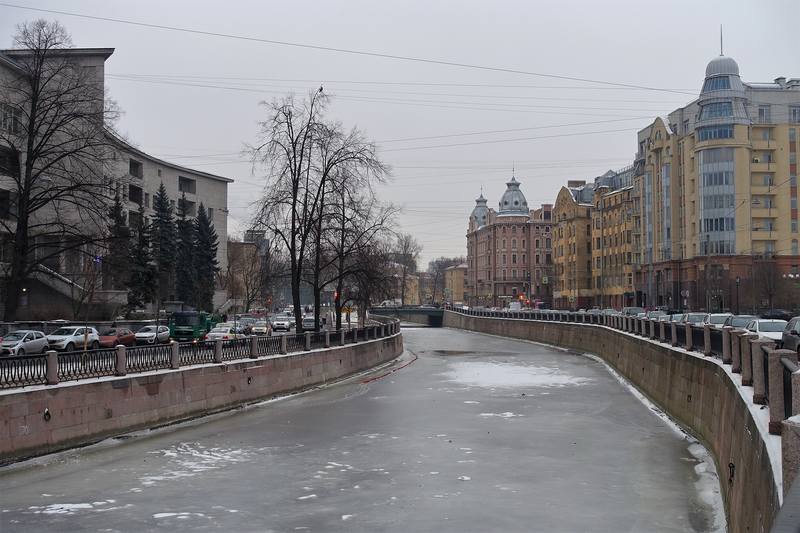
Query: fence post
x=218, y=351
x=726, y=344
x=736, y=351
x=341, y=337
x=374, y=332
x=308, y=340
x=175, y=355
x=327, y=338
x=52, y=367
x=790, y=445
x=747, y=358
x=284, y=347
x=775, y=401
x=707, y=340
x=662, y=330
x=122, y=361
x=673, y=328
x=254, y=347
x=653, y=333
x=689, y=338
x=758, y=348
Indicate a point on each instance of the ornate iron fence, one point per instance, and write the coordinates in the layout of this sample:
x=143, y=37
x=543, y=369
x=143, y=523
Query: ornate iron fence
x=196, y=353
x=236, y=349
x=22, y=370
x=268, y=345
x=295, y=343
x=89, y=364
x=152, y=357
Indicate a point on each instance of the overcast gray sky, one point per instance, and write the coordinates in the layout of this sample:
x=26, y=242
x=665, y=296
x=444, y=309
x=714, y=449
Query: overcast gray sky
x=161, y=80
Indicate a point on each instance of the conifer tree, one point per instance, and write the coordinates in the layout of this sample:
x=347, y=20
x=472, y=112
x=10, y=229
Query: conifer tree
x=185, y=273
x=141, y=283
x=115, y=263
x=206, y=265
x=163, y=243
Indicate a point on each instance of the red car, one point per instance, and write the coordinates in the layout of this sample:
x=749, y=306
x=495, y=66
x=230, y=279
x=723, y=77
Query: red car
x=115, y=336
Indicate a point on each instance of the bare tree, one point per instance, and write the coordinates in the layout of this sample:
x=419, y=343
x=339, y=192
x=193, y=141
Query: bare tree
x=436, y=270
x=406, y=252
x=243, y=278
x=54, y=149
x=768, y=280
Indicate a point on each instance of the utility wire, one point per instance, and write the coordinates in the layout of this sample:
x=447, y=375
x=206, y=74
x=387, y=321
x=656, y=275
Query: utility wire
x=339, y=50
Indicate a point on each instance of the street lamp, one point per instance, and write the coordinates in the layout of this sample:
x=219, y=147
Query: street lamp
x=738, y=280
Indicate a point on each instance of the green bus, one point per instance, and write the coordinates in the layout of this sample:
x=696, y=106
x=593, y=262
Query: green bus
x=190, y=325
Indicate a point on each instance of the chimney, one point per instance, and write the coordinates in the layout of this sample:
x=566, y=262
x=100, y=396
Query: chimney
x=576, y=183
x=781, y=81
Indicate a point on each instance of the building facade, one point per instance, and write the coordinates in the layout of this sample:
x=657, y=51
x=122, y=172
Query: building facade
x=572, y=246
x=455, y=283
x=509, y=251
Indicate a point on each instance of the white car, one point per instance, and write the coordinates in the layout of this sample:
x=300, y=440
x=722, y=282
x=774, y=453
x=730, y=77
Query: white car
x=716, y=320
x=261, y=328
x=152, y=335
x=767, y=328
x=225, y=333
x=73, y=337
x=23, y=341
x=281, y=323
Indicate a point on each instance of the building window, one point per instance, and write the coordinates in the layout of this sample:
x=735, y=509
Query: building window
x=147, y=199
x=794, y=247
x=189, y=208
x=794, y=114
x=159, y=172
x=514, y=243
x=716, y=110
x=504, y=259
x=210, y=213
x=764, y=114
x=5, y=204
x=135, y=194
x=187, y=185
x=714, y=132
x=135, y=169
x=720, y=83
x=11, y=119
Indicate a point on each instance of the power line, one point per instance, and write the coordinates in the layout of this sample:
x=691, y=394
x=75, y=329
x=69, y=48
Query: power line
x=339, y=50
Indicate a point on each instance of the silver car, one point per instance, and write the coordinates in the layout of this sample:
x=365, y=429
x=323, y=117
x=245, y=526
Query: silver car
x=152, y=335
x=23, y=341
x=69, y=338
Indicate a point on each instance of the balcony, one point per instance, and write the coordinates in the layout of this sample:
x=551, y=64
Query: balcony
x=761, y=190
x=762, y=234
x=764, y=144
x=763, y=212
x=762, y=166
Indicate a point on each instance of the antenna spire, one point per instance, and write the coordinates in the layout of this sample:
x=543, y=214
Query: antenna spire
x=513, y=169
x=720, y=40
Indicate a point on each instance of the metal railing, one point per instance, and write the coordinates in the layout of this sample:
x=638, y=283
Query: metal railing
x=89, y=364
x=52, y=367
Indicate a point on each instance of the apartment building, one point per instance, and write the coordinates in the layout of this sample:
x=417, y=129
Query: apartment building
x=455, y=281
x=572, y=246
x=717, y=195
x=509, y=251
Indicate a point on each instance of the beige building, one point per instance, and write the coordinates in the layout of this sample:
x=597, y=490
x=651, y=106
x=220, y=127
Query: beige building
x=572, y=246
x=509, y=252
x=455, y=282
x=717, y=186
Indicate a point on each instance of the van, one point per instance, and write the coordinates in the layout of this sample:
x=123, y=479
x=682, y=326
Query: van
x=514, y=306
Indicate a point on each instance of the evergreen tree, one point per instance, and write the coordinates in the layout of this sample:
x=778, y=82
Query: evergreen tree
x=206, y=265
x=185, y=274
x=163, y=241
x=141, y=283
x=116, y=263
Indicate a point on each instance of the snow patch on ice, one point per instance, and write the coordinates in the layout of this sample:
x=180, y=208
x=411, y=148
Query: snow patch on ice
x=307, y=497
x=464, y=478
x=347, y=516
x=508, y=375
x=191, y=459
x=470, y=401
x=507, y=414
x=180, y=516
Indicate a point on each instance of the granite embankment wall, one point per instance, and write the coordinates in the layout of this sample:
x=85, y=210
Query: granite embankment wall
x=43, y=419
x=694, y=391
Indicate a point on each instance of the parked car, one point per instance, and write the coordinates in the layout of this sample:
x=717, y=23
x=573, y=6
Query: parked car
x=790, y=339
x=308, y=323
x=767, y=328
x=224, y=333
x=261, y=328
x=739, y=321
x=281, y=323
x=716, y=320
x=71, y=337
x=777, y=314
x=695, y=319
x=23, y=341
x=655, y=315
x=677, y=317
x=152, y=335
x=632, y=311
x=116, y=336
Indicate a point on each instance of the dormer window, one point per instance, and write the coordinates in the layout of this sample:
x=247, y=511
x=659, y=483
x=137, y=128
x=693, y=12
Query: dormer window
x=719, y=83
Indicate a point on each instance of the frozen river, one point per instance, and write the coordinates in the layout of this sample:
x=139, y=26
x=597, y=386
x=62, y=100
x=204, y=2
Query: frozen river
x=478, y=433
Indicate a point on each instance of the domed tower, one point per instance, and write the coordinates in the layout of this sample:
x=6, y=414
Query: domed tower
x=722, y=99
x=480, y=214
x=513, y=201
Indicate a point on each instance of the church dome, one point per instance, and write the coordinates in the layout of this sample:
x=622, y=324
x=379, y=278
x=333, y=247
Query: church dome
x=480, y=214
x=513, y=201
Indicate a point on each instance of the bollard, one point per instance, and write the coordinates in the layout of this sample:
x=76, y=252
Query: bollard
x=726, y=344
x=383, y=331
x=662, y=331
x=122, y=361
x=673, y=326
x=707, y=340
x=747, y=358
x=775, y=400
x=688, y=343
x=52, y=367
x=652, y=329
x=736, y=351
x=374, y=332
x=758, y=348
x=254, y=347
x=341, y=337
x=327, y=338
x=284, y=344
x=308, y=340
x=790, y=451
x=175, y=355
x=218, y=351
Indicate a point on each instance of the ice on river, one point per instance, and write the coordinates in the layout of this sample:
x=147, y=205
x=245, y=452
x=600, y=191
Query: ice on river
x=508, y=375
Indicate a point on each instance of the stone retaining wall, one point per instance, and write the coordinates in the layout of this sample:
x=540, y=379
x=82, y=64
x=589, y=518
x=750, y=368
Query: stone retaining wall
x=694, y=391
x=43, y=419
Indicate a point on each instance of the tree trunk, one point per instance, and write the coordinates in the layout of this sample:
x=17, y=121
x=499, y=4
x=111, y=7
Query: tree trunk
x=403, y=287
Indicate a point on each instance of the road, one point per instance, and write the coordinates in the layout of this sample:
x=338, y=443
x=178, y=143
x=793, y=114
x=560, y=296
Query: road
x=477, y=433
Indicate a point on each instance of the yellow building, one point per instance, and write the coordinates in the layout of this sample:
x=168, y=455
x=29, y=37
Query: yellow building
x=612, y=240
x=455, y=280
x=572, y=246
x=717, y=194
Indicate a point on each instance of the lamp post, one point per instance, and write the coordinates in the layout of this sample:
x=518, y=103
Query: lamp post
x=738, y=280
